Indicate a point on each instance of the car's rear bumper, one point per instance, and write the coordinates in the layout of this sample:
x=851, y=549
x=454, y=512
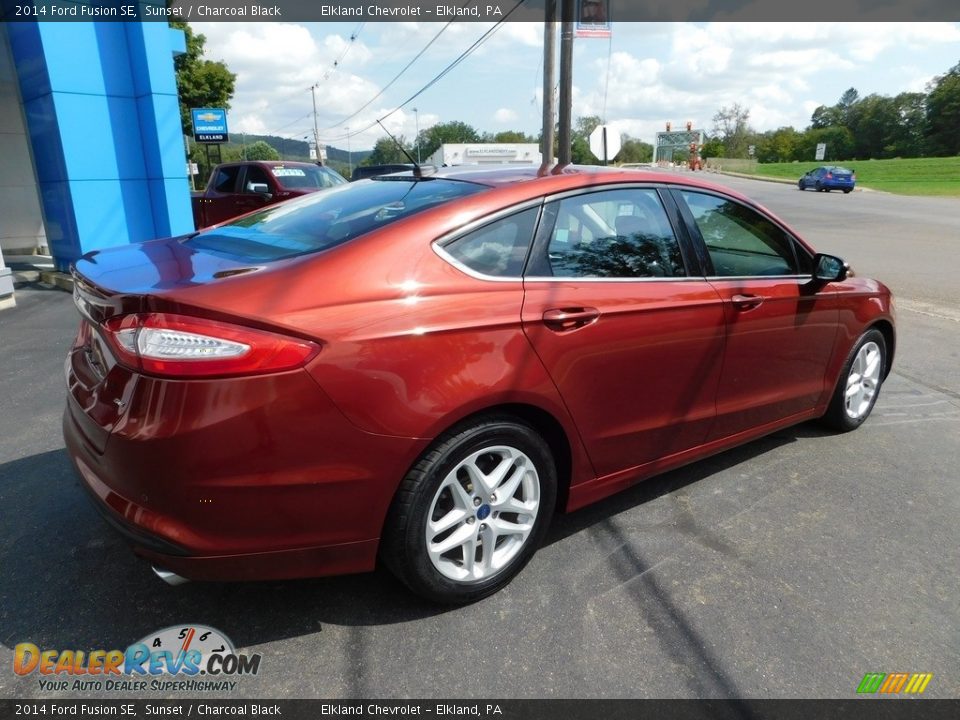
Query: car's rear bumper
x=261, y=479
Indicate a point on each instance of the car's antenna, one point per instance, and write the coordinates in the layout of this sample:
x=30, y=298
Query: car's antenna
x=417, y=172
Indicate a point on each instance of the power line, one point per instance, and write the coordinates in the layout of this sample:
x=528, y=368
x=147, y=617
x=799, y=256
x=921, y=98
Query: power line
x=439, y=76
x=336, y=65
x=396, y=77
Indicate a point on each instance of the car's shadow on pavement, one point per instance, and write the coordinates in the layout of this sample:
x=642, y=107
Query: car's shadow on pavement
x=67, y=580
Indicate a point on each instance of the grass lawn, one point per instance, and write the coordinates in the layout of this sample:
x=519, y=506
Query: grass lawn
x=914, y=176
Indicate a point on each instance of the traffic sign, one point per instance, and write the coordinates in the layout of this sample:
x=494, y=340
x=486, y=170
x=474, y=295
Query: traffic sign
x=604, y=143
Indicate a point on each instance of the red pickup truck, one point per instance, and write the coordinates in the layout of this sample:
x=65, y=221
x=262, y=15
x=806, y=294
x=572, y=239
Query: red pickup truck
x=240, y=187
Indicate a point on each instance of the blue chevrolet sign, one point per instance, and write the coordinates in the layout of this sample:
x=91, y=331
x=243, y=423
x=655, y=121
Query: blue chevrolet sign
x=209, y=125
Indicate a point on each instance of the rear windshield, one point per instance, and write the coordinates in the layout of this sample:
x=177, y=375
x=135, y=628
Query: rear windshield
x=842, y=171
x=322, y=220
x=306, y=177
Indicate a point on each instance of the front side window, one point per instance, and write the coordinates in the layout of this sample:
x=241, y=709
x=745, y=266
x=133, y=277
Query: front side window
x=498, y=249
x=621, y=233
x=740, y=241
x=256, y=175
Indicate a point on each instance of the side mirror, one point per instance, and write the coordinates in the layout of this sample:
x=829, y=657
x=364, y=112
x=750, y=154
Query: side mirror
x=260, y=189
x=829, y=268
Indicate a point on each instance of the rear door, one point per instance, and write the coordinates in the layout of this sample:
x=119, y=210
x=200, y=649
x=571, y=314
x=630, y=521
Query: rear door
x=780, y=327
x=632, y=340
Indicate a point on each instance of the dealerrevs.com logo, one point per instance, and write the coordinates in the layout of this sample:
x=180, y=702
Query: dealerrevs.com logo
x=187, y=658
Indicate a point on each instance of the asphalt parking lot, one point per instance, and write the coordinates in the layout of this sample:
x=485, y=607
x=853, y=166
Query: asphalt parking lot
x=788, y=567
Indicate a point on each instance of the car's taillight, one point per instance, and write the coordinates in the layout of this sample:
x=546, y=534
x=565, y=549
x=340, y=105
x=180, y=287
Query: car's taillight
x=182, y=346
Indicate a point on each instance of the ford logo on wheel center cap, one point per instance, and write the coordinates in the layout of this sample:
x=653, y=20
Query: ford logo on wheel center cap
x=483, y=512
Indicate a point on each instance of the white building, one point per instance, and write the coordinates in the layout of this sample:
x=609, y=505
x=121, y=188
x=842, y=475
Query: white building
x=486, y=154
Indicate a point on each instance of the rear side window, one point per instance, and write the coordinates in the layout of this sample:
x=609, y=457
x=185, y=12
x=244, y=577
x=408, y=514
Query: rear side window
x=498, y=249
x=322, y=220
x=740, y=241
x=226, y=179
x=621, y=233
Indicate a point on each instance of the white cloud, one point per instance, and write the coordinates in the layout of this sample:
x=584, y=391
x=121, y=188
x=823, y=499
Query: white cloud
x=657, y=72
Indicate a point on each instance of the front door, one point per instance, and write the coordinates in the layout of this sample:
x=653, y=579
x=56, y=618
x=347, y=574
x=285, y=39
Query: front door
x=633, y=343
x=780, y=326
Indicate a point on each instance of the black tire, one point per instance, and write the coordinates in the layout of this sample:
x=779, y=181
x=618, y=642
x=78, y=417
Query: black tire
x=800, y=185
x=846, y=191
x=818, y=186
x=837, y=415
x=428, y=485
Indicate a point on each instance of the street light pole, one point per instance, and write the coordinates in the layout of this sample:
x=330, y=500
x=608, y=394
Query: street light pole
x=416, y=115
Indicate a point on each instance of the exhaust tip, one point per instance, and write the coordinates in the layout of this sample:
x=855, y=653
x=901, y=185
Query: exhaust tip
x=168, y=577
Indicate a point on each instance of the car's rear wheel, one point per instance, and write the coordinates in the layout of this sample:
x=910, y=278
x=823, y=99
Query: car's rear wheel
x=859, y=384
x=846, y=191
x=472, y=511
x=818, y=186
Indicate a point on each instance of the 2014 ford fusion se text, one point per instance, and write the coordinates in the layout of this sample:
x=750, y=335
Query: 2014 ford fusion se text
x=424, y=368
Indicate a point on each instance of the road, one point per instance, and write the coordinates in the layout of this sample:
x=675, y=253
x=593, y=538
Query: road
x=786, y=568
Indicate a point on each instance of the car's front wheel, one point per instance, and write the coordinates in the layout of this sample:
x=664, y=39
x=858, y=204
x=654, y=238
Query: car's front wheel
x=472, y=511
x=800, y=185
x=859, y=384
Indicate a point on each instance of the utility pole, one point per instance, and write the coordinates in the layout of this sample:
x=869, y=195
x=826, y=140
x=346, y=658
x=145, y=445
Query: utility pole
x=549, y=80
x=316, y=133
x=566, y=81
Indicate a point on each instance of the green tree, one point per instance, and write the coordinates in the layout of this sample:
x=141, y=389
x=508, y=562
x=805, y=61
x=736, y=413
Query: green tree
x=839, y=142
x=261, y=150
x=200, y=82
x=777, y=146
x=508, y=136
x=825, y=116
x=713, y=148
x=730, y=125
x=872, y=122
x=580, y=140
x=634, y=151
x=450, y=132
x=386, y=152
x=943, y=113
x=907, y=135
x=845, y=106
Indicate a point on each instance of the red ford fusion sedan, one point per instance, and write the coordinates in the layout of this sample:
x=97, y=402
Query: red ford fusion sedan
x=425, y=369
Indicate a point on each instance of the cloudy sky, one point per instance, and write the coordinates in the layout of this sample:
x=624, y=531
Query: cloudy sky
x=649, y=73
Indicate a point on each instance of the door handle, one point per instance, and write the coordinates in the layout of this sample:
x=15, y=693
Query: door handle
x=746, y=302
x=563, y=319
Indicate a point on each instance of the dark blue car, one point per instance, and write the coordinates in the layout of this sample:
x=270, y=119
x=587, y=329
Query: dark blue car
x=829, y=177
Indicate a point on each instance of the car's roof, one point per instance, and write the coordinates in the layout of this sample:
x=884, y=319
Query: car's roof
x=274, y=163
x=558, y=178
